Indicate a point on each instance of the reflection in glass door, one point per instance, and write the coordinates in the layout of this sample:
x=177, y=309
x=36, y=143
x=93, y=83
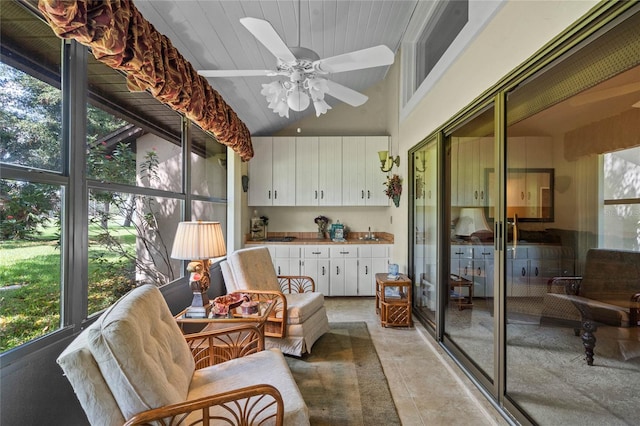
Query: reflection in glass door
x=425, y=223
x=469, y=321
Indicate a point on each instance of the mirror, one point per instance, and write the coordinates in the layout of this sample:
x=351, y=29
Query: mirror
x=529, y=194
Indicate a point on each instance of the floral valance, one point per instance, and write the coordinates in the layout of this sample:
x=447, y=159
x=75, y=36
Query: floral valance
x=121, y=38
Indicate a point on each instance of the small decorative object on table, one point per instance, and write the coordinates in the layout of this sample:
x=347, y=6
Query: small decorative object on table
x=322, y=222
x=394, y=188
x=224, y=305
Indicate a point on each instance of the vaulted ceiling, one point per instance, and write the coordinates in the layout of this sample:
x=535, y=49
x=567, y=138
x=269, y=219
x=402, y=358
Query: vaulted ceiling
x=209, y=35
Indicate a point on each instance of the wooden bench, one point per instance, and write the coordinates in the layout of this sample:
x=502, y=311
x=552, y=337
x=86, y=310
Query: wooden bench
x=608, y=293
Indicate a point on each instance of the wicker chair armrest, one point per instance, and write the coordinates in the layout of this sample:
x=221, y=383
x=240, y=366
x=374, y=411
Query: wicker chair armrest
x=280, y=308
x=214, y=346
x=566, y=285
x=241, y=406
x=296, y=284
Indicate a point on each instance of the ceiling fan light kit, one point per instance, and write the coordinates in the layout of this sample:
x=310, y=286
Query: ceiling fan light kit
x=303, y=68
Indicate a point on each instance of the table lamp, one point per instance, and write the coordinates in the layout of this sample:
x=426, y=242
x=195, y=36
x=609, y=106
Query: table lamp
x=198, y=242
x=471, y=220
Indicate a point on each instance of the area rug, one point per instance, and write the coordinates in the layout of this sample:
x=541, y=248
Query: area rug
x=342, y=380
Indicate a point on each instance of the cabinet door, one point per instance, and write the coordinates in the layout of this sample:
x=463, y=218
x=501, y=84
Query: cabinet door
x=307, y=171
x=260, y=173
x=318, y=269
x=354, y=171
x=284, y=171
x=375, y=178
x=330, y=171
x=366, y=277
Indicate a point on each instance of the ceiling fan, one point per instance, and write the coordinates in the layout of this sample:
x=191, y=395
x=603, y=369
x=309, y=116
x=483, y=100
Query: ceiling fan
x=304, y=72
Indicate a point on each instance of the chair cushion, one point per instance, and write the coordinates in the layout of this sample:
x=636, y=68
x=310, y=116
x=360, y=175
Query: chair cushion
x=141, y=352
x=227, y=274
x=85, y=377
x=301, y=306
x=252, y=268
x=266, y=367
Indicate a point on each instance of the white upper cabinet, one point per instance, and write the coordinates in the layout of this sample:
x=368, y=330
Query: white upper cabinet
x=329, y=171
x=307, y=189
x=272, y=179
x=363, y=181
x=317, y=171
x=260, y=191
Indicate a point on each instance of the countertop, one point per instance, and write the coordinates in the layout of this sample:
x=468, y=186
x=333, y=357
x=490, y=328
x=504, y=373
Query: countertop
x=311, y=238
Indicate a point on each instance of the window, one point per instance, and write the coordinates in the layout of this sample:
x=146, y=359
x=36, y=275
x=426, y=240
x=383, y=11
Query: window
x=620, y=222
x=128, y=176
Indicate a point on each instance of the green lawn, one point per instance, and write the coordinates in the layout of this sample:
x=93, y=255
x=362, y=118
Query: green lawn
x=30, y=283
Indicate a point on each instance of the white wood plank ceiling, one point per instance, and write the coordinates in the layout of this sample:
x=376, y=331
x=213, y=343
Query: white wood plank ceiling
x=209, y=35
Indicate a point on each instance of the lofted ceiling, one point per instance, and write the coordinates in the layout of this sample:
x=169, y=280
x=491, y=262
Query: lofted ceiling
x=209, y=35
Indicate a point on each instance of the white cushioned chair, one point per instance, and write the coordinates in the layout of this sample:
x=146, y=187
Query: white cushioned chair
x=134, y=365
x=299, y=317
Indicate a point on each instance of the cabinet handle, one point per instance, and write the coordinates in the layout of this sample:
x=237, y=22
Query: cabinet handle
x=522, y=195
x=344, y=252
x=362, y=194
x=269, y=195
x=279, y=270
x=368, y=194
x=466, y=270
x=475, y=194
x=337, y=270
x=536, y=271
x=315, y=252
x=524, y=271
x=366, y=269
x=528, y=195
x=429, y=194
x=322, y=194
x=482, y=195
x=323, y=270
x=316, y=194
x=275, y=195
x=479, y=271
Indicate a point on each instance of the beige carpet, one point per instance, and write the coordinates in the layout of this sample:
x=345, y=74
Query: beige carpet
x=342, y=380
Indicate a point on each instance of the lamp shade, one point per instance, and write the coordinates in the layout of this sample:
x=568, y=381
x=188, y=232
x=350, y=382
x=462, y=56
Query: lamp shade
x=198, y=240
x=471, y=220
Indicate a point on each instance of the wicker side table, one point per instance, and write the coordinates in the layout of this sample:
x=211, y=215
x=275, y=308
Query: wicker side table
x=393, y=301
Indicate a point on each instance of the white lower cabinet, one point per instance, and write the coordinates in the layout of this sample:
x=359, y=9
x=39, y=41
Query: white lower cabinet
x=315, y=264
x=336, y=269
x=286, y=259
x=343, y=278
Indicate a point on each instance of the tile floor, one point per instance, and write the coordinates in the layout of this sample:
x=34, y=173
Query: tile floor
x=426, y=385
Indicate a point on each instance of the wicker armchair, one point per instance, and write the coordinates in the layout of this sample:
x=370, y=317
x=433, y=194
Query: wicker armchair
x=134, y=365
x=298, y=318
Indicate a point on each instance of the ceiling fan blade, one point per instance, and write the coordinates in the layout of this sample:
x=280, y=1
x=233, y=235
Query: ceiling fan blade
x=236, y=73
x=366, y=58
x=345, y=94
x=264, y=32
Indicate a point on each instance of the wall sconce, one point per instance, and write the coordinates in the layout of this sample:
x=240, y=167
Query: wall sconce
x=387, y=162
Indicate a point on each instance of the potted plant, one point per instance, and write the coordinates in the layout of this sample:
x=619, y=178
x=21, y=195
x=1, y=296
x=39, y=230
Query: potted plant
x=393, y=188
x=322, y=222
